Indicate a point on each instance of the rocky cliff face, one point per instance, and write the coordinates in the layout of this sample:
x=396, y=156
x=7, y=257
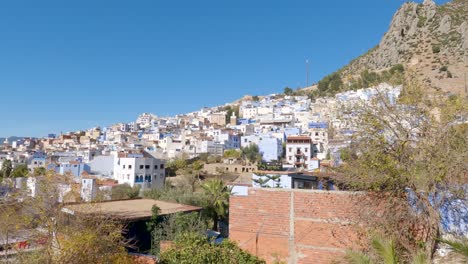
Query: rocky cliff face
x=432, y=40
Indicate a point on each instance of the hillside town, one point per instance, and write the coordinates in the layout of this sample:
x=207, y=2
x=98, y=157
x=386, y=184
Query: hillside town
x=290, y=130
x=363, y=162
x=264, y=148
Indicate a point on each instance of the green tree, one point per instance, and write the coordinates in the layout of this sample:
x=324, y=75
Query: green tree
x=124, y=191
x=196, y=249
x=396, y=157
x=39, y=171
x=7, y=167
x=288, y=91
x=216, y=200
x=251, y=153
x=20, y=171
x=232, y=153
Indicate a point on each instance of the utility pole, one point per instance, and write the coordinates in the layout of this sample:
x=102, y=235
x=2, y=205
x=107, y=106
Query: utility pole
x=307, y=72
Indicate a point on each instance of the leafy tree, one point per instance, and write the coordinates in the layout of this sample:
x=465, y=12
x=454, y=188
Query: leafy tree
x=7, y=167
x=288, y=91
x=20, y=171
x=39, y=171
x=124, y=191
x=397, y=157
x=196, y=249
x=232, y=153
x=62, y=239
x=229, y=111
x=217, y=200
x=251, y=153
x=331, y=83
x=183, y=195
x=176, y=165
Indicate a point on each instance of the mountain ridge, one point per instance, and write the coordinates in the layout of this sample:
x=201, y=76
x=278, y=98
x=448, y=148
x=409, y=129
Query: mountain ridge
x=428, y=39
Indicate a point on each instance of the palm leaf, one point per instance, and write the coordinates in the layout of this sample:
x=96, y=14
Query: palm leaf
x=385, y=249
x=420, y=258
x=459, y=246
x=354, y=257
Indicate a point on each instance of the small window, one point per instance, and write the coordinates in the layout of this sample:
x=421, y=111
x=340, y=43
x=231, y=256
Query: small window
x=162, y=166
x=147, y=166
x=290, y=149
x=141, y=167
x=290, y=157
x=129, y=166
x=123, y=166
x=316, y=133
x=155, y=167
x=306, y=149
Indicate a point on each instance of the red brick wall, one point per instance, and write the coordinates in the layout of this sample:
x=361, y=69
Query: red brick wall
x=295, y=226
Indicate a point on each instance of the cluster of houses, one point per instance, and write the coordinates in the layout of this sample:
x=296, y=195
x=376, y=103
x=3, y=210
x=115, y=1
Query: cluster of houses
x=300, y=134
x=288, y=206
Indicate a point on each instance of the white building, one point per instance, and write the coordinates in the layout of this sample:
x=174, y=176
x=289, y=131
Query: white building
x=140, y=170
x=301, y=153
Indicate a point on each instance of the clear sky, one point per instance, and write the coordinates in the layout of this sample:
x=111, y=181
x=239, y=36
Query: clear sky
x=70, y=65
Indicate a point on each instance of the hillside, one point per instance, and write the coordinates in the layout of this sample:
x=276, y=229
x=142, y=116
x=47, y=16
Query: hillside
x=428, y=39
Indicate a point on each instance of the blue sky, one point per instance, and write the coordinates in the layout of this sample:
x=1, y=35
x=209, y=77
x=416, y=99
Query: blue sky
x=70, y=65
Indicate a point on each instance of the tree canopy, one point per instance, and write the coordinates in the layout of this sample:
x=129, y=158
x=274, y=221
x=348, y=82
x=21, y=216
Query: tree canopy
x=197, y=249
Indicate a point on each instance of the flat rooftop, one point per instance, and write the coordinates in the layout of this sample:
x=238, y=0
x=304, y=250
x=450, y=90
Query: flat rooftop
x=132, y=210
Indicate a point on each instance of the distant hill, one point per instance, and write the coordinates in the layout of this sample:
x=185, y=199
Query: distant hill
x=427, y=39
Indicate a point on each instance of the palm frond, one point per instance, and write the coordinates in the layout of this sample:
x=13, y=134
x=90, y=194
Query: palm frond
x=459, y=246
x=420, y=258
x=385, y=249
x=354, y=257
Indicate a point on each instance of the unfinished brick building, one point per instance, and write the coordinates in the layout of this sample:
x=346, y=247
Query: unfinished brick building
x=294, y=226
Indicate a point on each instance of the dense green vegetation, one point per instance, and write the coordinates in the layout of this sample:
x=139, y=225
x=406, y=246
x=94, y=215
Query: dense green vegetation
x=196, y=249
x=334, y=83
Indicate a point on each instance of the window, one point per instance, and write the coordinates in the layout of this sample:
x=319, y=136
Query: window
x=129, y=166
x=306, y=149
x=290, y=157
x=162, y=166
x=141, y=167
x=147, y=166
x=155, y=167
x=316, y=133
x=123, y=166
x=290, y=149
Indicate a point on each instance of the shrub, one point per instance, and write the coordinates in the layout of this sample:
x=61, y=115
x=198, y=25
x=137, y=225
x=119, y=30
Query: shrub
x=435, y=49
x=193, y=248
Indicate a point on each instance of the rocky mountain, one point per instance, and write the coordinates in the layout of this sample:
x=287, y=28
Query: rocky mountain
x=430, y=39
